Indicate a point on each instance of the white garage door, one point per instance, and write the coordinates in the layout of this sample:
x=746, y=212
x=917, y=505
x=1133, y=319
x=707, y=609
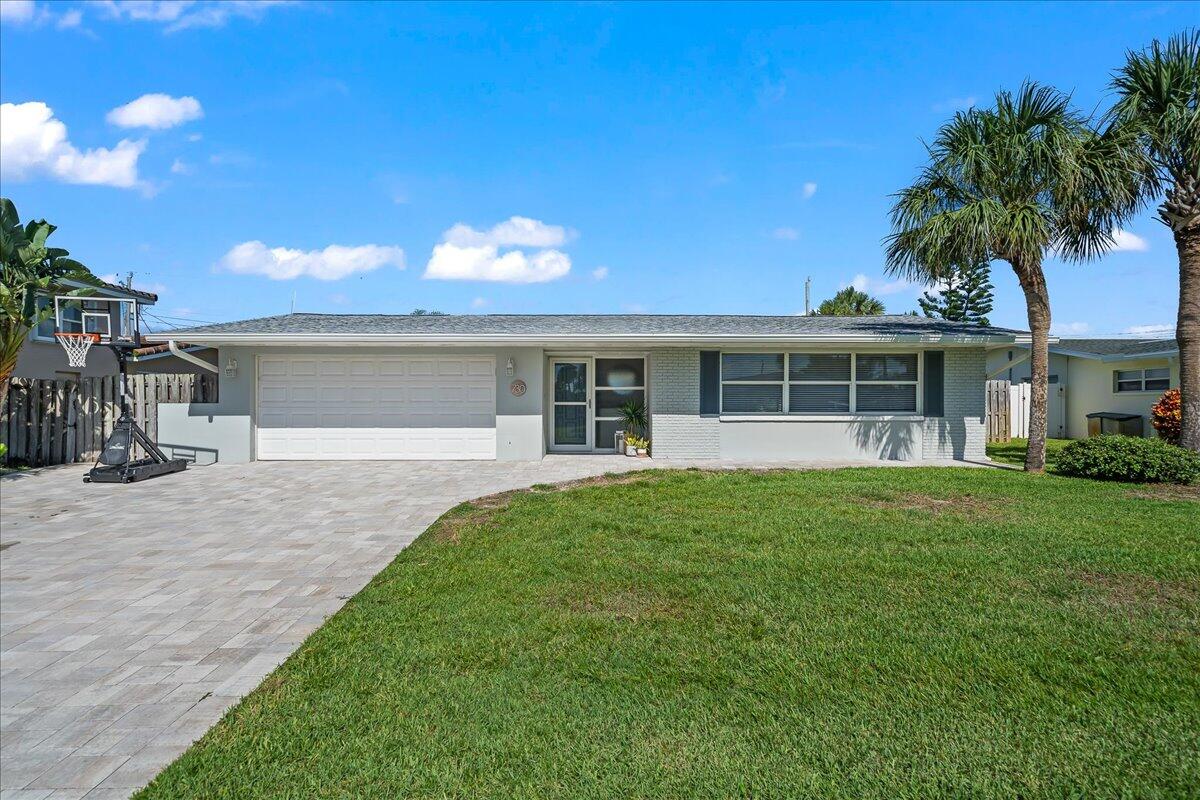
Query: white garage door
x=386, y=407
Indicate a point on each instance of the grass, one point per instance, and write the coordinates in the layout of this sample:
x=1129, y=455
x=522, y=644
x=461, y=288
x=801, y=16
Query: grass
x=1013, y=451
x=876, y=633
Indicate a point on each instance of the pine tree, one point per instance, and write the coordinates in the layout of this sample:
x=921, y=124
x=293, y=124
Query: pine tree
x=965, y=297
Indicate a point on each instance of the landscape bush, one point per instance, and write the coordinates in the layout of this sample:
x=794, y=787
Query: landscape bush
x=1130, y=459
x=1167, y=416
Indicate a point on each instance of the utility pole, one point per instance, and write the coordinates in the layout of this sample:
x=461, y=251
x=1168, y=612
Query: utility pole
x=807, y=294
x=129, y=280
x=293, y=301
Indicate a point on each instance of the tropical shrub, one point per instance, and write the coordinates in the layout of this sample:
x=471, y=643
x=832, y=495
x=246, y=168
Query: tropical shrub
x=1130, y=459
x=1167, y=416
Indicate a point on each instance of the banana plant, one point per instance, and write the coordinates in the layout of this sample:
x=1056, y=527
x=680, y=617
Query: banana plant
x=29, y=269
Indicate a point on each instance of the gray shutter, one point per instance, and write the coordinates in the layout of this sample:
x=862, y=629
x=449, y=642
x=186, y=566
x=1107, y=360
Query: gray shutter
x=710, y=382
x=935, y=383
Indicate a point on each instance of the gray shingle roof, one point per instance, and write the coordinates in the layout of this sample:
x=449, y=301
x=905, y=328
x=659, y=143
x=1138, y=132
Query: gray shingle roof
x=1119, y=348
x=600, y=325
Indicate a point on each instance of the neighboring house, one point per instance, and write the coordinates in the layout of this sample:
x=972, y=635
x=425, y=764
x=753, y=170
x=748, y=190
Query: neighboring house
x=1090, y=375
x=43, y=357
x=158, y=359
x=318, y=386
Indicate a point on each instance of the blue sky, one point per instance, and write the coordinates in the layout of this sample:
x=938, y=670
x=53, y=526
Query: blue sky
x=659, y=158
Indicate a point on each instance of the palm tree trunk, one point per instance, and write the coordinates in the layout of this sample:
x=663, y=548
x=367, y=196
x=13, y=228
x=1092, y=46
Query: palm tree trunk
x=1037, y=307
x=1187, y=333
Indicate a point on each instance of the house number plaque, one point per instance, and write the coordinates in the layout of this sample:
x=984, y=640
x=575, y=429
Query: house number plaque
x=517, y=387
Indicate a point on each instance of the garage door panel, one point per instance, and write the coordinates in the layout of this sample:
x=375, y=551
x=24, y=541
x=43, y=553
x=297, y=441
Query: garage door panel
x=392, y=407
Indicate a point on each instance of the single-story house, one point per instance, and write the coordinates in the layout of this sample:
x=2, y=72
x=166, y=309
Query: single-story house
x=43, y=357
x=515, y=387
x=1123, y=375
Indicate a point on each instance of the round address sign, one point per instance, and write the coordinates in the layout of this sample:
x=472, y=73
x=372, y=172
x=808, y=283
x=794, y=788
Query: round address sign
x=517, y=387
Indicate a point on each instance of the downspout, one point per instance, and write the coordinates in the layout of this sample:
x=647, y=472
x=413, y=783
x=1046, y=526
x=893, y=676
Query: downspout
x=199, y=362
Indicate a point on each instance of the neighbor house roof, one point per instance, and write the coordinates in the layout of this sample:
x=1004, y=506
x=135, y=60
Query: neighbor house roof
x=113, y=290
x=551, y=328
x=1116, y=349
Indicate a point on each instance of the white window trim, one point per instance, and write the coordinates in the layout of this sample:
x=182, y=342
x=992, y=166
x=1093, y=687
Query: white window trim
x=1141, y=379
x=854, y=413
x=598, y=388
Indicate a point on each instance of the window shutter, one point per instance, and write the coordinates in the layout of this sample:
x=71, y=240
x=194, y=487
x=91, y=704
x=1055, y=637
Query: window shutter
x=935, y=381
x=710, y=382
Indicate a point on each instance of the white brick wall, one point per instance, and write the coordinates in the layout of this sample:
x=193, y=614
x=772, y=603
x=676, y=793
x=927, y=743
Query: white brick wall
x=960, y=433
x=676, y=428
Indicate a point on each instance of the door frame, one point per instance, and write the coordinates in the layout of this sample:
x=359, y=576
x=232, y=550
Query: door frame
x=589, y=363
x=590, y=358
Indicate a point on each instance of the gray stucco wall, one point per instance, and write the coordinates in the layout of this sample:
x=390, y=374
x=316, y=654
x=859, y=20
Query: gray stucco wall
x=678, y=430
x=224, y=431
x=48, y=360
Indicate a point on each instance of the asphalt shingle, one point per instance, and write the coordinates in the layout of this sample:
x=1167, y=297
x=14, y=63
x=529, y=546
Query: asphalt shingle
x=591, y=324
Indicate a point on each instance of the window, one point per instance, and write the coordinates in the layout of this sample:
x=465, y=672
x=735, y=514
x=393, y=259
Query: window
x=751, y=383
x=1156, y=379
x=819, y=383
x=886, y=383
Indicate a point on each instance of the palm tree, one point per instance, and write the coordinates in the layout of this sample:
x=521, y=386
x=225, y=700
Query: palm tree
x=28, y=268
x=1016, y=183
x=1158, y=95
x=850, y=302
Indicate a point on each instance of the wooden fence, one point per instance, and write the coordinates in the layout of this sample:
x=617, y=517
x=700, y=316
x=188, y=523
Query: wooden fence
x=47, y=422
x=998, y=420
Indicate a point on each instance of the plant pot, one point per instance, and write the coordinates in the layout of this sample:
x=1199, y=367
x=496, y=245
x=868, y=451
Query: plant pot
x=631, y=451
x=643, y=452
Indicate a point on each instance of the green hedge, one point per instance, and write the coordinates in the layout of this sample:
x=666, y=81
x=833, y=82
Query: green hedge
x=1126, y=458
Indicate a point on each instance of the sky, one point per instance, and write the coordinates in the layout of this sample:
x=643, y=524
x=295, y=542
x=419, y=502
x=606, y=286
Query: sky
x=245, y=158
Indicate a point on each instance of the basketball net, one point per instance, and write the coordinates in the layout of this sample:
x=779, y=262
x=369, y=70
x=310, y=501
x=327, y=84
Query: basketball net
x=77, y=346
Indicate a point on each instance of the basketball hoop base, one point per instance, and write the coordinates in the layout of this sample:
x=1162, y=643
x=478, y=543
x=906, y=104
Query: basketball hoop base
x=115, y=464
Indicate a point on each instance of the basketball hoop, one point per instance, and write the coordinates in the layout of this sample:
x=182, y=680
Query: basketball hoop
x=77, y=346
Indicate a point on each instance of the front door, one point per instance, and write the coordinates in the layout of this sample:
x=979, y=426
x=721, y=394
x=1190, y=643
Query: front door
x=571, y=400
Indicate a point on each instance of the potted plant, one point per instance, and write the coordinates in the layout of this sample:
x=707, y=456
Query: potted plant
x=637, y=446
x=633, y=419
x=631, y=445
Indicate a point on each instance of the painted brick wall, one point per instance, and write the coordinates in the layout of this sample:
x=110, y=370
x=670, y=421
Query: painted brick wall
x=960, y=433
x=676, y=428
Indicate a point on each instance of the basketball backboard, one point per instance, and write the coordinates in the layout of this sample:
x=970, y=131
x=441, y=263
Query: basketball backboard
x=107, y=320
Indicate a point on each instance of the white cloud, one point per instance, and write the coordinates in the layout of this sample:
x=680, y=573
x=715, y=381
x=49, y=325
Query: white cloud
x=1126, y=242
x=156, y=111
x=808, y=190
x=513, y=232
x=466, y=254
x=479, y=302
x=181, y=167
x=1069, y=328
x=17, y=11
x=331, y=264
x=600, y=273
x=786, y=234
x=339, y=299
x=177, y=15
x=195, y=137
x=27, y=12
x=69, y=19
x=873, y=286
x=33, y=142
x=1150, y=330
x=454, y=263
x=954, y=104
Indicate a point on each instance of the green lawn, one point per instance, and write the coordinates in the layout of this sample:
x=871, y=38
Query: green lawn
x=1013, y=451
x=886, y=633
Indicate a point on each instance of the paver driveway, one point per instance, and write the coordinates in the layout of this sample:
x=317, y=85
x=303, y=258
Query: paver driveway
x=134, y=616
